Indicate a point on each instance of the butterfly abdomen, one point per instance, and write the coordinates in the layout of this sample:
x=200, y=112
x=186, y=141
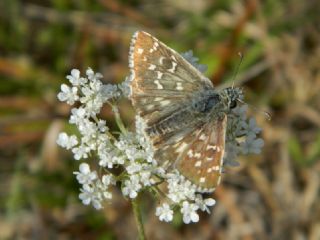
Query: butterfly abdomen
x=178, y=119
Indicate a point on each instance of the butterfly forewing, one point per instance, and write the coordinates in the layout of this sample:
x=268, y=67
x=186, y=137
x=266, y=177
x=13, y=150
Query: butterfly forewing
x=160, y=77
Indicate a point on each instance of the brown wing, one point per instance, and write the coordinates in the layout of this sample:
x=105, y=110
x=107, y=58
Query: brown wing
x=161, y=78
x=201, y=161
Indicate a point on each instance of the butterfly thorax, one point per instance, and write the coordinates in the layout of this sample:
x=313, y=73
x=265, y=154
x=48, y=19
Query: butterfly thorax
x=209, y=104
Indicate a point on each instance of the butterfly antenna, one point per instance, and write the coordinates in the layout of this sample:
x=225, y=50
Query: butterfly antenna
x=237, y=69
x=266, y=114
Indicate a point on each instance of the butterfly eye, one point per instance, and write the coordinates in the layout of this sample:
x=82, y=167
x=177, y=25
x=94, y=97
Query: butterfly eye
x=233, y=104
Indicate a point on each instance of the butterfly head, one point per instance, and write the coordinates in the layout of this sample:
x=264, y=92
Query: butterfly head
x=233, y=95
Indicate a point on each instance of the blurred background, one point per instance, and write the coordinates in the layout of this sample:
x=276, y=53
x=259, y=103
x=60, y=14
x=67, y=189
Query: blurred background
x=274, y=195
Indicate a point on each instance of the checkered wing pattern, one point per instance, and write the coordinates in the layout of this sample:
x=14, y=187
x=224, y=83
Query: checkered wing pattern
x=160, y=77
x=202, y=159
x=198, y=155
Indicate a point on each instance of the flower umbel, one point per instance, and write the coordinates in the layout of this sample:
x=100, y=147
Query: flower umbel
x=164, y=212
x=132, y=152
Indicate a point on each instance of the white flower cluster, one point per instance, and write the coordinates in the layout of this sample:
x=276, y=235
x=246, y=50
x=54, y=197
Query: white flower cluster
x=131, y=153
x=94, y=190
x=182, y=194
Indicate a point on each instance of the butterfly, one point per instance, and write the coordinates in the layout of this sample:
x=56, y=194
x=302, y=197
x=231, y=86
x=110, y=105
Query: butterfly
x=185, y=116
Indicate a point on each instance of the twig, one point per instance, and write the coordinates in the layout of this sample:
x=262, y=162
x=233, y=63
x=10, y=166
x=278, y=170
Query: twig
x=138, y=218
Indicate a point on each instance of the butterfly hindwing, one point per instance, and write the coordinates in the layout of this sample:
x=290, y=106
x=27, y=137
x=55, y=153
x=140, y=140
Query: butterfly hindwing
x=196, y=153
x=167, y=147
x=201, y=161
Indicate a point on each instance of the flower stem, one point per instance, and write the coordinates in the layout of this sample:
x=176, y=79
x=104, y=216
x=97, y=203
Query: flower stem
x=119, y=120
x=138, y=218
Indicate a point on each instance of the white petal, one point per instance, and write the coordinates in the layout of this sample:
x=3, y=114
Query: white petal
x=84, y=168
x=186, y=219
x=75, y=73
x=210, y=202
x=194, y=217
x=62, y=139
x=89, y=72
x=169, y=217
x=65, y=88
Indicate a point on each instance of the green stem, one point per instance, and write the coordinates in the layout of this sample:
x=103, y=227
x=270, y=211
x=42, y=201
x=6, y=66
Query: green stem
x=119, y=120
x=138, y=218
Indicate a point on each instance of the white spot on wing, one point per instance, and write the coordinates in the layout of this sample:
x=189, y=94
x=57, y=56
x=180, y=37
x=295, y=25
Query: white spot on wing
x=211, y=147
x=190, y=153
x=159, y=75
x=173, y=69
x=155, y=44
x=152, y=67
x=216, y=168
x=161, y=60
x=159, y=86
x=202, y=137
x=182, y=147
x=202, y=180
x=197, y=155
x=179, y=86
x=140, y=50
x=197, y=164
